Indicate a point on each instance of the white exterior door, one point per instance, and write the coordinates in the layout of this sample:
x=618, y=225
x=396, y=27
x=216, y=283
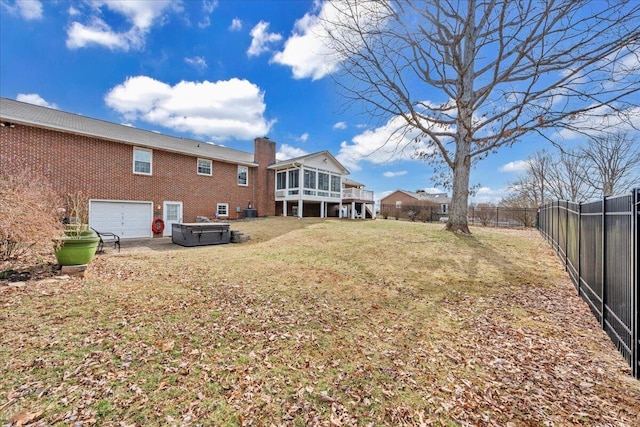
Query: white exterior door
x=125, y=218
x=172, y=215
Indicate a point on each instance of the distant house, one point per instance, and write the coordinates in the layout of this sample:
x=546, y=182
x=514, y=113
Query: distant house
x=420, y=205
x=133, y=176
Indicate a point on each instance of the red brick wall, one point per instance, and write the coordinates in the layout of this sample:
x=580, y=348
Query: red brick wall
x=104, y=170
x=396, y=196
x=265, y=199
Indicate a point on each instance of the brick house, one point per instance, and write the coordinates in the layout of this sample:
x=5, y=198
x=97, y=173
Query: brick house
x=401, y=203
x=133, y=176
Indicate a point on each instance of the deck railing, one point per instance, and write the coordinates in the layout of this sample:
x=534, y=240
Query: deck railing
x=357, y=194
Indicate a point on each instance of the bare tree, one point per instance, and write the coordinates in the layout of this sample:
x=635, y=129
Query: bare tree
x=472, y=76
x=485, y=212
x=558, y=175
x=537, y=176
x=613, y=163
x=568, y=177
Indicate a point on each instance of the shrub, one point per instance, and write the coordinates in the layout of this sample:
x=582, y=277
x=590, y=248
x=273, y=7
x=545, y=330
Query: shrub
x=411, y=214
x=29, y=214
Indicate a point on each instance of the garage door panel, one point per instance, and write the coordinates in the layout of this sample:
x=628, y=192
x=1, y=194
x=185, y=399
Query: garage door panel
x=127, y=219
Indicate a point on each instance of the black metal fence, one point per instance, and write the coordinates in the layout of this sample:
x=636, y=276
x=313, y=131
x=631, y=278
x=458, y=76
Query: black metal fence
x=598, y=243
x=424, y=213
x=489, y=216
x=501, y=216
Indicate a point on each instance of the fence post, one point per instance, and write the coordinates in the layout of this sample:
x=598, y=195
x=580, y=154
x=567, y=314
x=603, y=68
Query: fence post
x=604, y=262
x=566, y=236
x=635, y=325
x=579, y=246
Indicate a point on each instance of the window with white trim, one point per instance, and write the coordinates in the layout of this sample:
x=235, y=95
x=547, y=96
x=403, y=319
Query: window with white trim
x=142, y=161
x=323, y=184
x=310, y=179
x=243, y=175
x=398, y=204
x=335, y=183
x=281, y=180
x=205, y=167
x=294, y=176
x=222, y=209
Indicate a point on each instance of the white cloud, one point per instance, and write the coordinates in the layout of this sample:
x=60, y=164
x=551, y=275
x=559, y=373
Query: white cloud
x=515, y=166
x=236, y=24
x=288, y=152
x=207, y=9
x=304, y=137
x=218, y=110
x=601, y=118
x=34, y=98
x=433, y=190
x=340, y=125
x=489, y=195
x=30, y=10
x=196, y=62
x=390, y=174
x=387, y=143
x=261, y=39
x=307, y=51
x=97, y=32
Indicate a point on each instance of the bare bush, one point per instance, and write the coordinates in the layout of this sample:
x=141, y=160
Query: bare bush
x=29, y=214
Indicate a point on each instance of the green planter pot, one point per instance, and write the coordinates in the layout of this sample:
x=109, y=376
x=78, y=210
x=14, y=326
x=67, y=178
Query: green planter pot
x=77, y=251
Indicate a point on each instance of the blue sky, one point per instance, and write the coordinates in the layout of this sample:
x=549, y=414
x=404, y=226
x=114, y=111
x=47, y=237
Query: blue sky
x=216, y=71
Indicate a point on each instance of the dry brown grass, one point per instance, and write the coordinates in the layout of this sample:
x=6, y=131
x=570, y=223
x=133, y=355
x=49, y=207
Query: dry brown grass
x=316, y=323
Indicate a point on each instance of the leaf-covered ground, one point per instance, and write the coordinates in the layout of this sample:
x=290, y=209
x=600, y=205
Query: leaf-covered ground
x=330, y=323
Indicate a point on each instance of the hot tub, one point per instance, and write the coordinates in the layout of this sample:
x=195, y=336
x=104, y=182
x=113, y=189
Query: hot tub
x=200, y=233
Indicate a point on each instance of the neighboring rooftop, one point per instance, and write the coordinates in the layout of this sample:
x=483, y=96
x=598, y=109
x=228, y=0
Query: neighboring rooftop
x=48, y=118
x=429, y=197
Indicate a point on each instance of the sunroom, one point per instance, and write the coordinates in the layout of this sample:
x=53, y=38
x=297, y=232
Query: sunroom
x=309, y=186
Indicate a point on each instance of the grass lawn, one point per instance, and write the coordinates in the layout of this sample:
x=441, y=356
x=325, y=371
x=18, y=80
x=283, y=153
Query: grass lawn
x=315, y=323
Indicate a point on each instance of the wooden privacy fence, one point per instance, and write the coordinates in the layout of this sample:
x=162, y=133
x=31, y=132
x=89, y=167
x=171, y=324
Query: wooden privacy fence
x=598, y=244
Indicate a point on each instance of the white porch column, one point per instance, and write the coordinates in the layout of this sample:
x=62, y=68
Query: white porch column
x=284, y=208
x=300, y=190
x=353, y=210
x=322, y=208
x=340, y=210
x=363, y=213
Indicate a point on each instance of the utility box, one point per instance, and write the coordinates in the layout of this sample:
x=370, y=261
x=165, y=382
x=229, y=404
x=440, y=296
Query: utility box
x=249, y=213
x=200, y=233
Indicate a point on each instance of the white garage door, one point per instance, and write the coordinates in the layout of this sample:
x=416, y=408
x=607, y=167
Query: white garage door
x=126, y=219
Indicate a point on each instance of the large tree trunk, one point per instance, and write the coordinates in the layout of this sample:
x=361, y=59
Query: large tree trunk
x=460, y=194
x=464, y=128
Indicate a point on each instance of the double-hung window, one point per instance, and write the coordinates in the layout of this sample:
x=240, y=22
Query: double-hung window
x=142, y=161
x=205, y=167
x=310, y=182
x=222, y=209
x=243, y=175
